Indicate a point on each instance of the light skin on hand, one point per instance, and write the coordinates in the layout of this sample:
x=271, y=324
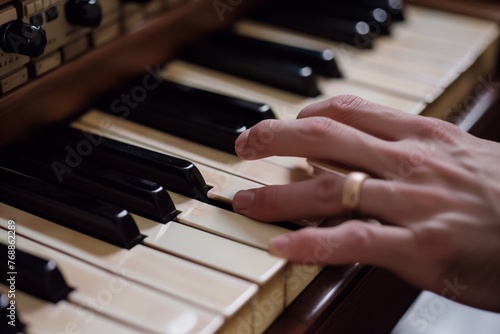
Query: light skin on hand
x=435, y=188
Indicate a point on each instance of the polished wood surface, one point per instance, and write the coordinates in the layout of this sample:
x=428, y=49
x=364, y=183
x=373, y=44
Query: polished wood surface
x=348, y=300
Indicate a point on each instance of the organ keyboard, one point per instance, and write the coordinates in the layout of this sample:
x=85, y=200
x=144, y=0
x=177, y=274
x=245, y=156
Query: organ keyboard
x=198, y=267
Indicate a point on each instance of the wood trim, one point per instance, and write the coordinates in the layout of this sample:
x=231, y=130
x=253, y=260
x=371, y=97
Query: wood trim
x=348, y=300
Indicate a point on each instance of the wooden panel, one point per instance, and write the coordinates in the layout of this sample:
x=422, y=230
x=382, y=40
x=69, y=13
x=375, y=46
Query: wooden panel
x=348, y=300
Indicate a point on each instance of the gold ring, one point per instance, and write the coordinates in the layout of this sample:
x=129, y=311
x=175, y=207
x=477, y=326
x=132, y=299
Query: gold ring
x=351, y=191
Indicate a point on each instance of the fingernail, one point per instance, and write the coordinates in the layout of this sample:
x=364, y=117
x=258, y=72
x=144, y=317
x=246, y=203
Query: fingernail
x=279, y=246
x=243, y=200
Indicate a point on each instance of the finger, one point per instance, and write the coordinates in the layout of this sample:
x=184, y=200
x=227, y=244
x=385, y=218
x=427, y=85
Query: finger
x=320, y=197
x=377, y=120
x=317, y=138
x=351, y=242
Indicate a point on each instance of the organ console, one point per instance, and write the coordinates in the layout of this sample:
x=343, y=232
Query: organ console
x=117, y=170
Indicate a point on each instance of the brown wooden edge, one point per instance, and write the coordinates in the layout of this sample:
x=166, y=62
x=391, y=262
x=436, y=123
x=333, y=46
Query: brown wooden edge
x=348, y=300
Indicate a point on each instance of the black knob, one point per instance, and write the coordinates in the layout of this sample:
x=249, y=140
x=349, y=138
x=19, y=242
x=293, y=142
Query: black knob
x=86, y=13
x=22, y=38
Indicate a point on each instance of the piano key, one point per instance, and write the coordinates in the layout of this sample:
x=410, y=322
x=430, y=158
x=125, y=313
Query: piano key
x=136, y=194
x=408, y=83
x=321, y=61
x=391, y=54
x=172, y=173
x=378, y=19
x=12, y=322
x=224, y=255
x=257, y=171
x=114, y=296
x=356, y=33
x=224, y=223
x=244, y=230
x=191, y=124
x=46, y=318
x=192, y=212
x=388, y=54
x=69, y=208
x=222, y=185
x=227, y=295
x=291, y=76
x=436, y=22
x=286, y=106
x=452, y=29
x=248, y=112
x=394, y=7
x=32, y=274
x=213, y=251
x=473, y=35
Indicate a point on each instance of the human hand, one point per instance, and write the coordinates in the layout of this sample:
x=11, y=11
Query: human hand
x=435, y=188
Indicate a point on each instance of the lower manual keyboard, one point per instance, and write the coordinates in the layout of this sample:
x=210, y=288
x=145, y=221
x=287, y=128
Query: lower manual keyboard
x=101, y=294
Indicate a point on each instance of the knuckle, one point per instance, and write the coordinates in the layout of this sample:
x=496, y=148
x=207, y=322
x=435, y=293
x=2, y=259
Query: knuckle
x=318, y=128
x=326, y=186
x=348, y=102
x=359, y=236
x=262, y=134
x=435, y=241
x=261, y=129
x=438, y=129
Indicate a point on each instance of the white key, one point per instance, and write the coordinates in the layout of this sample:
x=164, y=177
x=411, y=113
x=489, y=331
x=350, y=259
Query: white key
x=183, y=279
x=431, y=22
x=243, y=229
x=225, y=223
x=244, y=261
x=211, y=250
x=41, y=317
x=116, y=297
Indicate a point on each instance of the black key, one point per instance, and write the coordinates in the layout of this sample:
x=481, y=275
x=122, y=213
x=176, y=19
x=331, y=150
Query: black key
x=205, y=117
x=191, y=124
x=234, y=109
x=171, y=173
x=321, y=61
x=378, y=19
x=188, y=119
x=143, y=197
x=71, y=209
x=293, y=77
x=394, y=7
x=356, y=33
x=36, y=276
x=11, y=323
